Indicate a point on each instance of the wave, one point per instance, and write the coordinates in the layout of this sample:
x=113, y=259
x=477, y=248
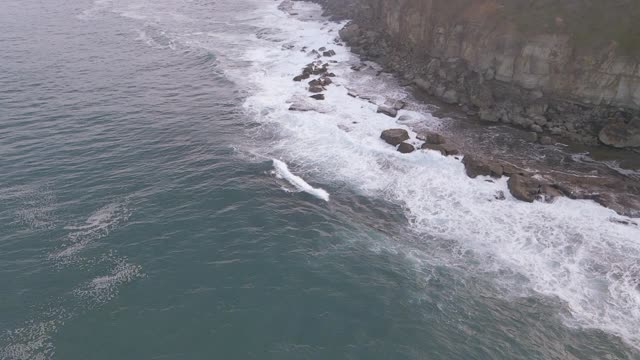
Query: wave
x=282, y=172
x=569, y=249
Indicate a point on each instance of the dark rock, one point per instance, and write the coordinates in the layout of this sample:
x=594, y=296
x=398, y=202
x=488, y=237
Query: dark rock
x=387, y=111
x=478, y=167
x=621, y=134
x=524, y=188
x=317, y=96
x=330, y=74
x=301, y=77
x=395, y=136
x=545, y=140
x=531, y=136
x=499, y=195
x=316, y=89
x=329, y=53
x=444, y=149
x=322, y=49
x=406, y=148
x=432, y=138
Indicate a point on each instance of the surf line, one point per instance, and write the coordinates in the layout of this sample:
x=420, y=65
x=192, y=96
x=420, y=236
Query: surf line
x=283, y=172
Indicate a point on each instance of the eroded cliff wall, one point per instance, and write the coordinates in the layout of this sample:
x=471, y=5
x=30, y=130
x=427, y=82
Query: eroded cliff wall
x=568, y=67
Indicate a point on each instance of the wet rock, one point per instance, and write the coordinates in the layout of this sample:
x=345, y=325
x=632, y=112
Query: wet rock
x=406, y=148
x=317, y=97
x=479, y=167
x=358, y=67
x=302, y=77
x=621, y=134
x=330, y=74
x=329, y=53
x=531, y=136
x=545, y=140
x=444, y=149
x=323, y=81
x=322, y=49
x=432, y=138
x=524, y=188
x=394, y=136
x=499, y=195
x=352, y=94
x=316, y=89
x=389, y=111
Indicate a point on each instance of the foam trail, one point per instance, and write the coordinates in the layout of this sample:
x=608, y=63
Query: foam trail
x=282, y=172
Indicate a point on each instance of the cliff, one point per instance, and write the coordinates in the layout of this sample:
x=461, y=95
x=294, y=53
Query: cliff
x=567, y=67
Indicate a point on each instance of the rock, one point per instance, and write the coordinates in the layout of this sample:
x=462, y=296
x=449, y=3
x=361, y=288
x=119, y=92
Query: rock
x=478, y=167
x=389, y=111
x=358, y=67
x=488, y=115
x=432, y=138
x=406, y=148
x=300, y=107
x=323, y=81
x=545, y=140
x=524, y=188
x=536, y=128
x=301, y=77
x=316, y=89
x=394, y=136
x=499, y=195
x=450, y=96
x=531, y=136
x=444, y=149
x=330, y=74
x=422, y=84
x=350, y=32
x=352, y=94
x=317, y=96
x=329, y=53
x=322, y=49
x=621, y=134
x=399, y=104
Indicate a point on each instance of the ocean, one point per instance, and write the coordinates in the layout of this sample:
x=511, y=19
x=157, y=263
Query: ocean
x=158, y=200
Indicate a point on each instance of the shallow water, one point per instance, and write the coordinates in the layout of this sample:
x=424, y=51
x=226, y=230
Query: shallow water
x=142, y=216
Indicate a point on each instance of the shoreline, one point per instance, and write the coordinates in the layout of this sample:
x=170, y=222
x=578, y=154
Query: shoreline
x=529, y=179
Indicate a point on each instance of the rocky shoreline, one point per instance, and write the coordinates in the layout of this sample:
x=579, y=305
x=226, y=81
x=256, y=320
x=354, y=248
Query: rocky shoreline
x=598, y=103
x=541, y=183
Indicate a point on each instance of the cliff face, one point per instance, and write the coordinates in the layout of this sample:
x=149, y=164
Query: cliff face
x=568, y=67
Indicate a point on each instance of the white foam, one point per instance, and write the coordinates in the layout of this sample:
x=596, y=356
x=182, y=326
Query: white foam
x=569, y=249
x=282, y=171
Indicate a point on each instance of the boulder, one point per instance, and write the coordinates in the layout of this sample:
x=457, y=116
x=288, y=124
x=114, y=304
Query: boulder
x=301, y=77
x=621, y=134
x=406, y=148
x=479, y=167
x=524, y=188
x=545, y=140
x=444, y=149
x=317, y=97
x=350, y=32
x=389, y=111
x=394, y=137
x=432, y=138
x=329, y=53
x=316, y=89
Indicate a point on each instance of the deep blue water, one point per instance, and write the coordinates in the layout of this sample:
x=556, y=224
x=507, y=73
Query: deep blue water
x=140, y=217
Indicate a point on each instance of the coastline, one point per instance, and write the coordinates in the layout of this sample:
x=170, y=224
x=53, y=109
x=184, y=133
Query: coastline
x=539, y=167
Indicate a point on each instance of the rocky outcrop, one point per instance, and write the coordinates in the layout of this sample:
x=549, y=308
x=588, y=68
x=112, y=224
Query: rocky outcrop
x=395, y=137
x=565, y=67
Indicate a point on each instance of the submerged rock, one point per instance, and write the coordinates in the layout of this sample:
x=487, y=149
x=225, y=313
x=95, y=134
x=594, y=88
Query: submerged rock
x=316, y=89
x=317, y=97
x=395, y=136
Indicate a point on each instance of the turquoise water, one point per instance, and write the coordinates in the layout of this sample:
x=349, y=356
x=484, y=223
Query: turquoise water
x=141, y=216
